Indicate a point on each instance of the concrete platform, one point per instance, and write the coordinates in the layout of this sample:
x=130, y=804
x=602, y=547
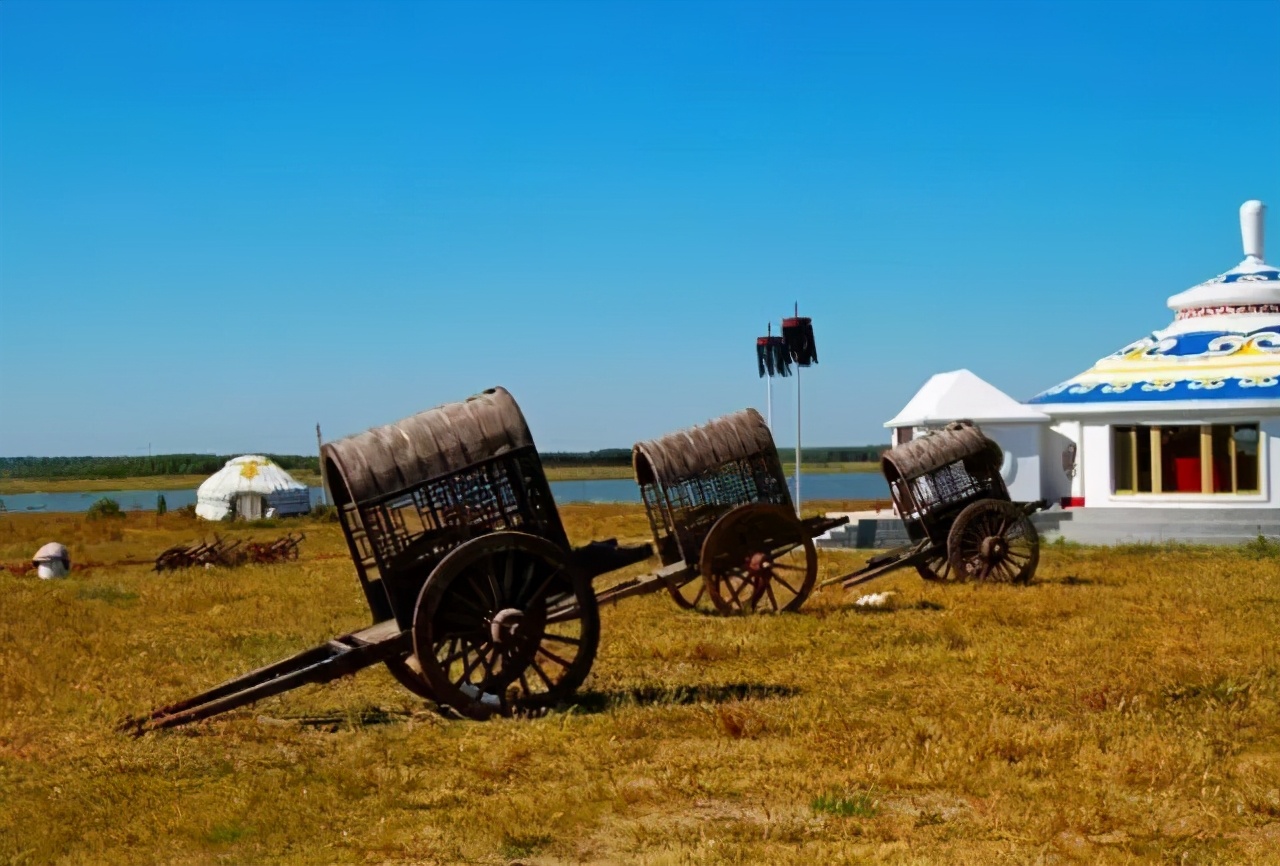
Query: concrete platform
x=1098, y=526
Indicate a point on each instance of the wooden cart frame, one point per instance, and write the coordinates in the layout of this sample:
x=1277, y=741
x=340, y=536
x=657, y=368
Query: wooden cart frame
x=948, y=489
x=479, y=602
x=722, y=518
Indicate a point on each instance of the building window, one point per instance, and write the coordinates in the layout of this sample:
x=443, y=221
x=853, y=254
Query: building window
x=1186, y=458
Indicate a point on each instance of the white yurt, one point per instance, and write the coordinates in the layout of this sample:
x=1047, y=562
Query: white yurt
x=251, y=487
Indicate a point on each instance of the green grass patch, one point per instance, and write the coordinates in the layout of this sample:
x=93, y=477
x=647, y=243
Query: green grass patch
x=226, y=834
x=523, y=844
x=109, y=594
x=860, y=804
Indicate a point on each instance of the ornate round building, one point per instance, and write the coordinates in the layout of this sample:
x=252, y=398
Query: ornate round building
x=1184, y=416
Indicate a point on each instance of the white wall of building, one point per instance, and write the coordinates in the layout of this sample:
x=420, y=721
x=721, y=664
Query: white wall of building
x=1021, y=446
x=1095, y=446
x=1057, y=483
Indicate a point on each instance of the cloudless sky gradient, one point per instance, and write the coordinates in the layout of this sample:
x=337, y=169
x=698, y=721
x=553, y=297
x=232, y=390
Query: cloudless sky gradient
x=223, y=222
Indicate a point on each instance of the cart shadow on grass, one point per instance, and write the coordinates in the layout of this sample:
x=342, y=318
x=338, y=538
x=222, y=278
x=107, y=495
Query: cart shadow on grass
x=585, y=702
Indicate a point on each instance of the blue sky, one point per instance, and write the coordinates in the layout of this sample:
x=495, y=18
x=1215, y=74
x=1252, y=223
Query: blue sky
x=223, y=222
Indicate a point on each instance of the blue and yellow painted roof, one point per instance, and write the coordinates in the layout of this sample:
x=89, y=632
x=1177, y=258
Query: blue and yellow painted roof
x=1223, y=345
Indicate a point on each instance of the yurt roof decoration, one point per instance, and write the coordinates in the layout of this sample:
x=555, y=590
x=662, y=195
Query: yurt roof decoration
x=1223, y=345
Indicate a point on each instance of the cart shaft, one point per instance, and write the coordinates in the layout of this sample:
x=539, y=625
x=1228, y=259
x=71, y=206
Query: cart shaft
x=329, y=661
x=878, y=566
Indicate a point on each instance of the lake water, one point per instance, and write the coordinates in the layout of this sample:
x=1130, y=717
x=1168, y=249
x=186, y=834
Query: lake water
x=842, y=485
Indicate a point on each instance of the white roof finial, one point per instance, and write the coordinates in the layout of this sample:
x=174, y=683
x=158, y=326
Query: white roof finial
x=1251, y=216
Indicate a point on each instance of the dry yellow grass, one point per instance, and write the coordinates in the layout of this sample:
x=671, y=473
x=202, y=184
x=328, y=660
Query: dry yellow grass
x=1122, y=709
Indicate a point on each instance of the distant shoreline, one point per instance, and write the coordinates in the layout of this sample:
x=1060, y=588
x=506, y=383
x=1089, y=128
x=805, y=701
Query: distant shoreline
x=159, y=483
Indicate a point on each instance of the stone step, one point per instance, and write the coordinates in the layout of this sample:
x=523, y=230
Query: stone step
x=1095, y=527
x=1120, y=536
x=1168, y=516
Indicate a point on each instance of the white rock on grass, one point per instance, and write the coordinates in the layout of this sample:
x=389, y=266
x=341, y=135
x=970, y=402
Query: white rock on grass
x=876, y=599
x=52, y=561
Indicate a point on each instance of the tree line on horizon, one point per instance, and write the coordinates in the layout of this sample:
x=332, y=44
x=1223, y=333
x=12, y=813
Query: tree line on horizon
x=136, y=467
x=207, y=464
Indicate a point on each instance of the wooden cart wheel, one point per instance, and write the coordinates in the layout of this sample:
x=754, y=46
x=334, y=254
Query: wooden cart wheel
x=409, y=678
x=758, y=558
x=691, y=594
x=481, y=631
x=937, y=568
x=993, y=540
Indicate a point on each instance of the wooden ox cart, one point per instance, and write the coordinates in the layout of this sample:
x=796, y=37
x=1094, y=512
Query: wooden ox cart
x=479, y=603
x=947, y=487
x=723, y=520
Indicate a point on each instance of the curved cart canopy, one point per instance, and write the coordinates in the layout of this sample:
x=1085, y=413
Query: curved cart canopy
x=931, y=479
x=410, y=492
x=439, y=441
x=695, y=451
x=959, y=440
x=690, y=478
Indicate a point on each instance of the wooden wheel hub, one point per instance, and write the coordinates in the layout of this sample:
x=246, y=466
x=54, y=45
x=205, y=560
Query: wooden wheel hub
x=758, y=558
x=993, y=548
x=481, y=631
x=993, y=539
x=505, y=627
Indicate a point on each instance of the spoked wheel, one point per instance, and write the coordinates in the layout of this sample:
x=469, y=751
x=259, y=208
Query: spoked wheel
x=757, y=559
x=403, y=671
x=481, y=631
x=937, y=568
x=692, y=594
x=993, y=540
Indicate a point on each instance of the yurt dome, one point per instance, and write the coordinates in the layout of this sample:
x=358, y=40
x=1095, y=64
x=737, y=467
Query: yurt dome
x=1222, y=349
x=251, y=487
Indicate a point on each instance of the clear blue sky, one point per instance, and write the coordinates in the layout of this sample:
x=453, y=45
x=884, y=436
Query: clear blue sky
x=223, y=222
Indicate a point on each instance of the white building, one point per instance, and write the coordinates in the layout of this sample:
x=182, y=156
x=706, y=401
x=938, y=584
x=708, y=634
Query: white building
x=251, y=487
x=1018, y=428
x=1185, y=416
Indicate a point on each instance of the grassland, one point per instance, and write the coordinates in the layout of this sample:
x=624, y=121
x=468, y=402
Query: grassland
x=1122, y=709
x=11, y=486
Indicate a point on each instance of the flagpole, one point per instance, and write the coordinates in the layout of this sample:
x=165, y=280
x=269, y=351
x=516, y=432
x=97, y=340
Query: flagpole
x=797, y=441
x=797, y=428
x=768, y=381
x=324, y=494
x=768, y=390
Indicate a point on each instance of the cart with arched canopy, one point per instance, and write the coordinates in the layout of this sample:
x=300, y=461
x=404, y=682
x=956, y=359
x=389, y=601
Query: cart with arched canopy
x=722, y=518
x=948, y=490
x=463, y=559
x=478, y=600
